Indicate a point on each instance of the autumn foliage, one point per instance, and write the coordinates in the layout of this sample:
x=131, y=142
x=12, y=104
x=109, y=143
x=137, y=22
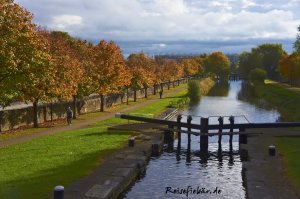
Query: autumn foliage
x=39, y=65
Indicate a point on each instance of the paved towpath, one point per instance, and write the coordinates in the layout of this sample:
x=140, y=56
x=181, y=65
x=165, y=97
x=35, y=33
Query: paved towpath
x=87, y=122
x=265, y=175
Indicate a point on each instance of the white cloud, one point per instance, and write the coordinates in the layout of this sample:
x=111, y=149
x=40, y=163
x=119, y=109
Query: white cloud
x=66, y=22
x=169, y=20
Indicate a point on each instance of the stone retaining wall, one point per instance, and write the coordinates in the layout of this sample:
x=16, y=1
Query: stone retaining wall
x=22, y=115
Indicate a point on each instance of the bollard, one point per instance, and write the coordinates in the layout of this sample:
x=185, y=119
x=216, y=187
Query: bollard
x=131, y=142
x=155, y=150
x=59, y=192
x=272, y=150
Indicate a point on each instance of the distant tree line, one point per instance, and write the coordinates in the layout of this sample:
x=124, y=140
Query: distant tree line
x=273, y=62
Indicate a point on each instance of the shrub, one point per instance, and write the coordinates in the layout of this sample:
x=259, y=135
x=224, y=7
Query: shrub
x=257, y=76
x=194, y=90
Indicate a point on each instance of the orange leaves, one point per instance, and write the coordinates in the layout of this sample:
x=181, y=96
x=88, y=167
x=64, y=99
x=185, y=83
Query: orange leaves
x=110, y=72
x=21, y=52
x=142, y=69
x=190, y=66
x=289, y=67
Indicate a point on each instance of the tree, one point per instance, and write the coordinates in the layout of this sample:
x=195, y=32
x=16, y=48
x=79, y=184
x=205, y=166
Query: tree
x=246, y=62
x=270, y=54
x=25, y=73
x=110, y=72
x=218, y=64
x=297, y=42
x=289, y=67
x=190, y=66
x=142, y=71
x=17, y=41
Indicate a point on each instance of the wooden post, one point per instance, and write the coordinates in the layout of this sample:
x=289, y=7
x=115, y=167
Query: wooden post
x=243, y=138
x=155, y=150
x=231, y=120
x=179, y=117
x=189, y=121
x=221, y=121
x=169, y=135
x=204, y=138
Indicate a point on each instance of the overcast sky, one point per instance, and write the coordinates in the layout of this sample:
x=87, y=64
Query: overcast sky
x=173, y=26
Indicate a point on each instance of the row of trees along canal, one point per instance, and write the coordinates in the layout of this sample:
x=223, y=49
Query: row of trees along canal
x=38, y=65
x=271, y=61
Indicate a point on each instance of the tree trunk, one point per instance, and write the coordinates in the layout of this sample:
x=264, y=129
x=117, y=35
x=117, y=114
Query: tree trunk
x=101, y=103
x=162, y=87
x=178, y=82
x=173, y=84
x=146, y=92
x=127, y=96
x=51, y=111
x=134, y=95
x=35, y=113
x=154, y=89
x=74, y=106
x=1, y=118
x=169, y=85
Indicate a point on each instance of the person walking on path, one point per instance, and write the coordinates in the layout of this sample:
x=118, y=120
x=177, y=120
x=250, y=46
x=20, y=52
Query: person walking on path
x=69, y=116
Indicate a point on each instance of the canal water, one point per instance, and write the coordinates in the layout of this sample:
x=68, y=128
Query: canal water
x=180, y=173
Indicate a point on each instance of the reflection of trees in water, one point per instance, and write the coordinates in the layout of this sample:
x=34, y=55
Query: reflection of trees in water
x=220, y=89
x=253, y=95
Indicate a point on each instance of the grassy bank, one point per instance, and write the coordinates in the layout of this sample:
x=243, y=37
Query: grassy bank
x=32, y=169
x=287, y=103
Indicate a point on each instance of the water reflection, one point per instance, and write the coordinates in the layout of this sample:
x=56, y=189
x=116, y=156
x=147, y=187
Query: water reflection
x=219, y=89
x=182, y=164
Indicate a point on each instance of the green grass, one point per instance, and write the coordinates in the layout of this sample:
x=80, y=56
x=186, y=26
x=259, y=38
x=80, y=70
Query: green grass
x=32, y=169
x=287, y=103
x=289, y=147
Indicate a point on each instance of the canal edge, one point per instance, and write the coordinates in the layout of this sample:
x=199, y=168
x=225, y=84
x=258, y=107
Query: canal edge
x=120, y=170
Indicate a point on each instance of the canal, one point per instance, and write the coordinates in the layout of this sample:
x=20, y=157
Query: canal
x=220, y=174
